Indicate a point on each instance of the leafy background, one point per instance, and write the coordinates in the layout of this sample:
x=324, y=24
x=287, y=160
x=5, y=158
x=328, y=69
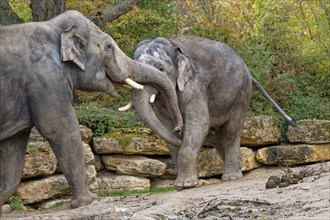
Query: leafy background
x=285, y=44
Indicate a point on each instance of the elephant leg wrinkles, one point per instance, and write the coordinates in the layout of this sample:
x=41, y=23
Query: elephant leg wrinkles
x=226, y=140
x=228, y=147
x=196, y=129
x=174, y=154
x=64, y=137
x=12, y=153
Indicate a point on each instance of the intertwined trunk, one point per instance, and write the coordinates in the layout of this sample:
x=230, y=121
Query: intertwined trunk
x=146, y=112
x=43, y=10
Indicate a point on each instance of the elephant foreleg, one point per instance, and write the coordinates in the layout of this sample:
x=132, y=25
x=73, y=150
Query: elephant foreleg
x=63, y=134
x=12, y=153
x=196, y=128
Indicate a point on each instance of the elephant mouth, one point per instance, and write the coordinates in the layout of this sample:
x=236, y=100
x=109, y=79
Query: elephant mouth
x=127, y=81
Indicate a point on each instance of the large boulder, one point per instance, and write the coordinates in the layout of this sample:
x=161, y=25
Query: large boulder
x=37, y=190
x=249, y=159
x=91, y=178
x=136, y=141
x=39, y=160
x=293, y=154
x=134, y=165
x=109, y=183
x=86, y=134
x=310, y=132
x=209, y=163
x=260, y=130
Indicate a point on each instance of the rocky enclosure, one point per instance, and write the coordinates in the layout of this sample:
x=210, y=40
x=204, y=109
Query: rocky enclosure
x=128, y=160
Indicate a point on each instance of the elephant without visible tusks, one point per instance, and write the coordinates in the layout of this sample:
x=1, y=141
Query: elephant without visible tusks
x=213, y=86
x=41, y=63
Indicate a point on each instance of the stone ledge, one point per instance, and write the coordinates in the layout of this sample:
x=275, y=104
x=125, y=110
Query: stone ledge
x=134, y=165
x=293, y=154
x=310, y=132
x=109, y=182
x=209, y=163
x=259, y=131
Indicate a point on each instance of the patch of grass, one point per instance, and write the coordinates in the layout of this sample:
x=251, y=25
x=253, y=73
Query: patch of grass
x=59, y=204
x=102, y=119
x=157, y=190
x=124, y=141
x=16, y=203
x=33, y=149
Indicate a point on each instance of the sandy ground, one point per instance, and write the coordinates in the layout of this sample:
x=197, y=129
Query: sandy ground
x=246, y=198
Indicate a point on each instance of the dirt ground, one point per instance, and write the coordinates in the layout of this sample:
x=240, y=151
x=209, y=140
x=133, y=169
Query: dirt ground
x=246, y=198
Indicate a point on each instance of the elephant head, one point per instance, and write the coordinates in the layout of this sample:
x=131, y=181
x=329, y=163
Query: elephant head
x=99, y=61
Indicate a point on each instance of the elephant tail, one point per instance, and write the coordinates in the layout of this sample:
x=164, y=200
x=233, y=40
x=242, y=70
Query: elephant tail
x=287, y=118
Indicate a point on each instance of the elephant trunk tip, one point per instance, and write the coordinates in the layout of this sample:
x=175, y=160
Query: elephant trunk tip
x=178, y=129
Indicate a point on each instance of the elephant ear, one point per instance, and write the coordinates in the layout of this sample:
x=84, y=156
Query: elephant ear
x=73, y=47
x=184, y=69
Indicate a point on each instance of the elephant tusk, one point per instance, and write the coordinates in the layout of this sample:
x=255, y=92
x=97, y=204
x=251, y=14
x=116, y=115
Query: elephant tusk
x=134, y=84
x=152, y=98
x=126, y=107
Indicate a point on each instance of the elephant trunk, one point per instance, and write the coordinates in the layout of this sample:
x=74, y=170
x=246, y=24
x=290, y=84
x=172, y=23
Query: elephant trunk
x=142, y=106
x=130, y=71
x=148, y=75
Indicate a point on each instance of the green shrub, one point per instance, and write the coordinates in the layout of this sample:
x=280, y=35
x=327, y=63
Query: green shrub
x=102, y=119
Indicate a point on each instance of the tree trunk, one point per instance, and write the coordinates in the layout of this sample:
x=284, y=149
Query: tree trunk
x=112, y=12
x=43, y=10
x=7, y=15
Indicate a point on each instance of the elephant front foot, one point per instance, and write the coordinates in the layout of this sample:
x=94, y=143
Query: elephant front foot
x=231, y=175
x=186, y=183
x=83, y=199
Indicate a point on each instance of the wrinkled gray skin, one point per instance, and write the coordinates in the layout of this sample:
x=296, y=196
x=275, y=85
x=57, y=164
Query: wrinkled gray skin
x=214, y=88
x=41, y=63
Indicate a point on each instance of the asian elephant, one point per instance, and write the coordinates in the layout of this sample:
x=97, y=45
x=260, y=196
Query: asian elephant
x=213, y=86
x=41, y=64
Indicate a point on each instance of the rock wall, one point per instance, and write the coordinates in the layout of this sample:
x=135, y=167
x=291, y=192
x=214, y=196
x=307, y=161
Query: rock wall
x=136, y=159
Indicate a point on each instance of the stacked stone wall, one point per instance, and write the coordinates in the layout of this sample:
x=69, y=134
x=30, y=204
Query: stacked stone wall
x=136, y=159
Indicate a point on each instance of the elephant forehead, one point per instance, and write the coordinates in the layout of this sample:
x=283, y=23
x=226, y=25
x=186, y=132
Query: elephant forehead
x=153, y=54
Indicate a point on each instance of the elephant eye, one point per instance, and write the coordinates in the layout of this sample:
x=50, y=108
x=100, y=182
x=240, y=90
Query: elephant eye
x=107, y=47
x=160, y=67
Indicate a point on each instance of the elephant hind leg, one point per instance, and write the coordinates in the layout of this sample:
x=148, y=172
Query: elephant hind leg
x=228, y=148
x=12, y=153
x=229, y=136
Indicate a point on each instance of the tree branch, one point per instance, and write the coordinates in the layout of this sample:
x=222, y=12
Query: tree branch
x=43, y=10
x=7, y=15
x=114, y=11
